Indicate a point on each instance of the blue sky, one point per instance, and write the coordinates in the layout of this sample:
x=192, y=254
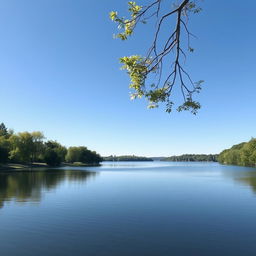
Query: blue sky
x=59, y=73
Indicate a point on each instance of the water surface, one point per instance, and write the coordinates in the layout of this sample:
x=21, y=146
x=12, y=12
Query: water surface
x=129, y=208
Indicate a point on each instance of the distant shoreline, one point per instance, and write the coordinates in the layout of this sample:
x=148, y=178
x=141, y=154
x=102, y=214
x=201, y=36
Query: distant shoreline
x=127, y=158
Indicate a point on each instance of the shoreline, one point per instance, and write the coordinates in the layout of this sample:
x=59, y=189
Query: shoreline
x=23, y=167
x=20, y=167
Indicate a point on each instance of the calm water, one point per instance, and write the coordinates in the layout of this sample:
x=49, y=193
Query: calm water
x=152, y=208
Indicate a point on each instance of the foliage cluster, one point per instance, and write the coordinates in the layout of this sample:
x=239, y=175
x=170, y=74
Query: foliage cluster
x=26, y=147
x=153, y=76
x=243, y=154
x=82, y=155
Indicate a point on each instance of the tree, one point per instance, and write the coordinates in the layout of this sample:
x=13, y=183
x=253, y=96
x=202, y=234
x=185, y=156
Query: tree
x=54, y=153
x=3, y=130
x=4, y=149
x=52, y=158
x=83, y=155
x=26, y=147
x=248, y=153
x=4, y=144
x=38, y=147
x=58, y=148
x=74, y=154
x=140, y=69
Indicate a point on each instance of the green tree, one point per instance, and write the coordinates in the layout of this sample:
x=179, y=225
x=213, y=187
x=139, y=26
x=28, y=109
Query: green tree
x=58, y=148
x=248, y=153
x=148, y=79
x=245, y=155
x=52, y=158
x=74, y=154
x=83, y=155
x=54, y=153
x=38, y=145
x=3, y=130
x=26, y=147
x=252, y=158
x=4, y=149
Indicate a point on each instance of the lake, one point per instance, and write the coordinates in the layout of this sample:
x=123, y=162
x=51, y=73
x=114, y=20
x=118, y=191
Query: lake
x=129, y=208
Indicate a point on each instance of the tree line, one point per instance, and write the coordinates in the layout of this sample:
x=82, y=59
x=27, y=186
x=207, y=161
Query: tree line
x=127, y=158
x=243, y=154
x=30, y=147
x=193, y=158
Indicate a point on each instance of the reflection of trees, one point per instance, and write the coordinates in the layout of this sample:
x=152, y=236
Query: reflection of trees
x=28, y=185
x=249, y=179
x=244, y=176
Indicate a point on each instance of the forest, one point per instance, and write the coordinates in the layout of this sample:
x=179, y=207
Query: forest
x=243, y=154
x=32, y=147
x=192, y=158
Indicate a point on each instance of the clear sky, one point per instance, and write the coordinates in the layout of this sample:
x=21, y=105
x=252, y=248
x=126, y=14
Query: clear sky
x=59, y=73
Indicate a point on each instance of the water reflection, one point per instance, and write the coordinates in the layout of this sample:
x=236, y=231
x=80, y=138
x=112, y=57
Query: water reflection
x=244, y=175
x=28, y=185
x=248, y=178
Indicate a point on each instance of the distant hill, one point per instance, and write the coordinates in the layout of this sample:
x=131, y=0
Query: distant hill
x=193, y=158
x=127, y=158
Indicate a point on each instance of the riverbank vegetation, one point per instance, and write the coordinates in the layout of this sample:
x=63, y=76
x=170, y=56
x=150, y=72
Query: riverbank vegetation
x=127, y=158
x=192, y=158
x=243, y=154
x=32, y=147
